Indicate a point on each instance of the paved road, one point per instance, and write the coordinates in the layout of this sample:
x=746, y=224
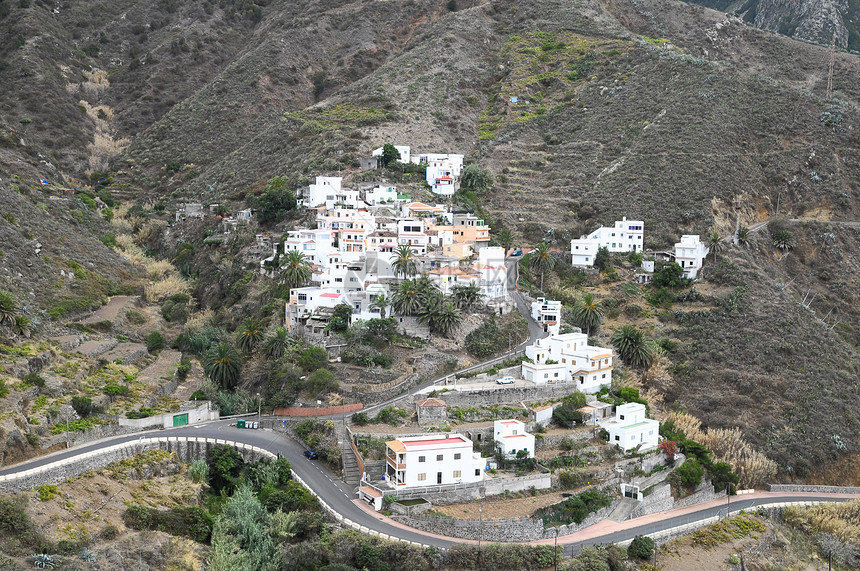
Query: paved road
x=340, y=497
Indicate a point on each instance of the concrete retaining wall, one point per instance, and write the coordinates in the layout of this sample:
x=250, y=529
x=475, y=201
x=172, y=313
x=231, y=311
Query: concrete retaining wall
x=464, y=492
x=187, y=449
x=505, y=395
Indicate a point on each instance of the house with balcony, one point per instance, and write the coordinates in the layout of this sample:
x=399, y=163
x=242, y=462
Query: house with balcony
x=568, y=358
x=631, y=428
x=690, y=254
x=432, y=460
x=455, y=162
x=410, y=232
x=441, y=177
x=547, y=313
x=315, y=244
x=381, y=195
x=624, y=236
x=323, y=190
x=447, y=278
x=513, y=440
x=471, y=229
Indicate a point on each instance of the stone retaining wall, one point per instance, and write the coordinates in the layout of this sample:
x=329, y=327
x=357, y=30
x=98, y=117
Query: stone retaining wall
x=500, y=530
x=187, y=450
x=812, y=489
x=505, y=395
x=465, y=492
x=704, y=493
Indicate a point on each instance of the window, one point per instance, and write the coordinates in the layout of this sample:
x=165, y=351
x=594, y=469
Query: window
x=422, y=458
x=622, y=418
x=457, y=474
x=616, y=438
x=422, y=477
x=477, y=471
x=439, y=457
x=604, y=376
x=303, y=297
x=457, y=456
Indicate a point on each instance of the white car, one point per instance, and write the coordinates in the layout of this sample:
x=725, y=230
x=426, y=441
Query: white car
x=505, y=381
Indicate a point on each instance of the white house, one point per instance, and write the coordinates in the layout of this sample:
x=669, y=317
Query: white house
x=511, y=437
x=326, y=188
x=583, y=251
x=441, y=178
x=410, y=232
x=456, y=161
x=381, y=195
x=568, y=358
x=440, y=459
x=402, y=149
x=630, y=428
x=315, y=244
x=548, y=315
x=624, y=236
x=543, y=414
x=690, y=253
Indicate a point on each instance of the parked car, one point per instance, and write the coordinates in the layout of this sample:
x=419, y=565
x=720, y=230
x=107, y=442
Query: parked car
x=310, y=455
x=517, y=252
x=505, y=381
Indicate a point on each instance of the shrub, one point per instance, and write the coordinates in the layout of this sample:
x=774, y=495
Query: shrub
x=360, y=418
x=574, y=509
x=186, y=521
x=83, y=406
x=690, y=473
x=154, y=341
x=641, y=547
x=199, y=471
x=313, y=358
x=46, y=492
x=163, y=289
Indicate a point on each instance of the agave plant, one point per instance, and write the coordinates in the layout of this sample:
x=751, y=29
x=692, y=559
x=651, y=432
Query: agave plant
x=44, y=561
x=89, y=556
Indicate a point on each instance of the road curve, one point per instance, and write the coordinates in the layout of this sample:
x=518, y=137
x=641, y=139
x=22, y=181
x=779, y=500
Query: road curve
x=341, y=499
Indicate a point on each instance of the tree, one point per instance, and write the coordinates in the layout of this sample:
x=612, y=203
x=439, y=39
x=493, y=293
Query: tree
x=602, y=260
x=715, y=244
x=390, y=154
x=632, y=347
x=222, y=365
x=541, y=260
x=340, y=319
x=505, y=238
x=403, y=261
x=154, y=341
x=225, y=465
x=313, y=358
x=475, y=178
x=295, y=269
x=275, y=346
x=321, y=381
x=443, y=318
x=743, y=236
x=83, y=406
x=466, y=296
x=406, y=299
x=670, y=275
x=8, y=308
x=588, y=313
x=275, y=201
x=669, y=448
x=249, y=335
x=380, y=302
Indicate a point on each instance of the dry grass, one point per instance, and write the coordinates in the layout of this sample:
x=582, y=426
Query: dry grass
x=162, y=289
x=199, y=320
x=159, y=269
x=728, y=445
x=841, y=520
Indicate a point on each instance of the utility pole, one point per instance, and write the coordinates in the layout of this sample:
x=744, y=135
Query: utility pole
x=555, y=550
x=259, y=406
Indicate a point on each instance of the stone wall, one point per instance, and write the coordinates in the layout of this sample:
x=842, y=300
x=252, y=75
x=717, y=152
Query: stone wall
x=465, y=492
x=704, y=493
x=505, y=395
x=187, y=450
x=95, y=433
x=660, y=499
x=499, y=530
x=813, y=489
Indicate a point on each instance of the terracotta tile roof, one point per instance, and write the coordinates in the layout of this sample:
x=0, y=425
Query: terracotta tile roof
x=396, y=445
x=371, y=492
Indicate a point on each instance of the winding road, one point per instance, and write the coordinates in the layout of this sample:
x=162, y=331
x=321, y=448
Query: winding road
x=341, y=499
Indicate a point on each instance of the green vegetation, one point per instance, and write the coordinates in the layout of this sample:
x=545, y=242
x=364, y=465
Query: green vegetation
x=574, y=509
x=185, y=521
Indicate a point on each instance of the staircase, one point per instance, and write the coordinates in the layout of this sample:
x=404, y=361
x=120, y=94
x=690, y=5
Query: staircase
x=623, y=510
x=351, y=473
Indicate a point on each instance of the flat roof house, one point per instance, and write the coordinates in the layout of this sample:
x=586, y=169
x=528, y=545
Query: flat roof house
x=630, y=428
x=440, y=459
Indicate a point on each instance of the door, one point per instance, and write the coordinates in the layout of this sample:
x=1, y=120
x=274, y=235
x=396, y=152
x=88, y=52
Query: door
x=180, y=419
x=438, y=477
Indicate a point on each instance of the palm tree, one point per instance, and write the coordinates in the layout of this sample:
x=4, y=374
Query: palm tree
x=223, y=366
x=632, y=347
x=505, y=238
x=8, y=308
x=407, y=298
x=276, y=344
x=541, y=260
x=783, y=239
x=295, y=269
x=22, y=325
x=403, y=261
x=249, y=335
x=466, y=296
x=380, y=303
x=715, y=243
x=743, y=236
x=443, y=318
x=588, y=313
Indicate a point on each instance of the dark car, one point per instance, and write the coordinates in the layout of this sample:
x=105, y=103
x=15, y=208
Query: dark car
x=310, y=455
